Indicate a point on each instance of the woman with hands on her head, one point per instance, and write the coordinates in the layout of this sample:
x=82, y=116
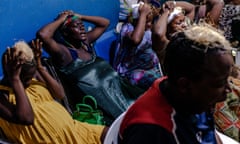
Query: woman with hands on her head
x=135, y=60
x=28, y=111
x=79, y=67
x=174, y=18
x=12, y=62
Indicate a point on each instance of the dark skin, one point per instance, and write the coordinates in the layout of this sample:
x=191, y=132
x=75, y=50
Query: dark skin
x=212, y=8
x=142, y=23
x=193, y=97
x=18, y=80
x=202, y=95
x=22, y=112
x=55, y=87
x=162, y=30
x=75, y=34
x=43, y=75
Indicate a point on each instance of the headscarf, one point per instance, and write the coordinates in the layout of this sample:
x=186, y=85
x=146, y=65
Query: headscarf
x=128, y=8
x=176, y=11
x=69, y=19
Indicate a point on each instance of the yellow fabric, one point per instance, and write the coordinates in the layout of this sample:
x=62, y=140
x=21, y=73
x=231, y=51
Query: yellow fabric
x=52, y=123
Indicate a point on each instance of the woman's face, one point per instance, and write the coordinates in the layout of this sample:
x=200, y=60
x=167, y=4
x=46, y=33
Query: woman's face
x=76, y=30
x=27, y=74
x=178, y=23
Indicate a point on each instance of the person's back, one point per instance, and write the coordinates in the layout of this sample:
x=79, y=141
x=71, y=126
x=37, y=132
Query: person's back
x=197, y=63
x=29, y=112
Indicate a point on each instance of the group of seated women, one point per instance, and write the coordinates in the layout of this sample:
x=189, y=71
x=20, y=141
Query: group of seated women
x=143, y=69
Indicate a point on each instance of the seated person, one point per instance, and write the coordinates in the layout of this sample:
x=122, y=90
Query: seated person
x=198, y=62
x=174, y=18
x=75, y=59
x=177, y=15
x=135, y=60
x=28, y=111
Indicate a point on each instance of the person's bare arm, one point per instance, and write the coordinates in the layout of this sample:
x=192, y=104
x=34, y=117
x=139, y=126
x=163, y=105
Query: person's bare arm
x=138, y=33
x=54, y=87
x=100, y=23
x=159, y=33
x=46, y=33
x=214, y=8
x=21, y=112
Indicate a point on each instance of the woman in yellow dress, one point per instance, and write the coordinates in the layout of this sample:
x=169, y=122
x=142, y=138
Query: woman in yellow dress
x=29, y=112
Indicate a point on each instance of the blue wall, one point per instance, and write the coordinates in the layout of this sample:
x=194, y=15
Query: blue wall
x=20, y=19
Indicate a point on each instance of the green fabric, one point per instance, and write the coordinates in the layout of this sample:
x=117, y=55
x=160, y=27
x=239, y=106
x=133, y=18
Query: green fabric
x=96, y=77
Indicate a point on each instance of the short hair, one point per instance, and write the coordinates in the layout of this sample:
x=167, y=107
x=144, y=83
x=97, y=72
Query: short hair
x=27, y=55
x=186, y=51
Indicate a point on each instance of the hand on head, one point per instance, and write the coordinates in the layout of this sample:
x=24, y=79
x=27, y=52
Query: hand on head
x=169, y=5
x=165, y=8
x=145, y=9
x=155, y=11
x=19, y=62
x=64, y=14
x=12, y=62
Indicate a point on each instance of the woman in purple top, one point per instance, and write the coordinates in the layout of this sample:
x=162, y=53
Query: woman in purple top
x=135, y=60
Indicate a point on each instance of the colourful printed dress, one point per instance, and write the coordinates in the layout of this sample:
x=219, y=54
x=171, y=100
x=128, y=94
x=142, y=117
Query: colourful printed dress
x=52, y=123
x=227, y=114
x=139, y=65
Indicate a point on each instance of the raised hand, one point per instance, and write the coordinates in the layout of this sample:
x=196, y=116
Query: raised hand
x=37, y=50
x=12, y=63
x=168, y=6
x=64, y=14
x=145, y=8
